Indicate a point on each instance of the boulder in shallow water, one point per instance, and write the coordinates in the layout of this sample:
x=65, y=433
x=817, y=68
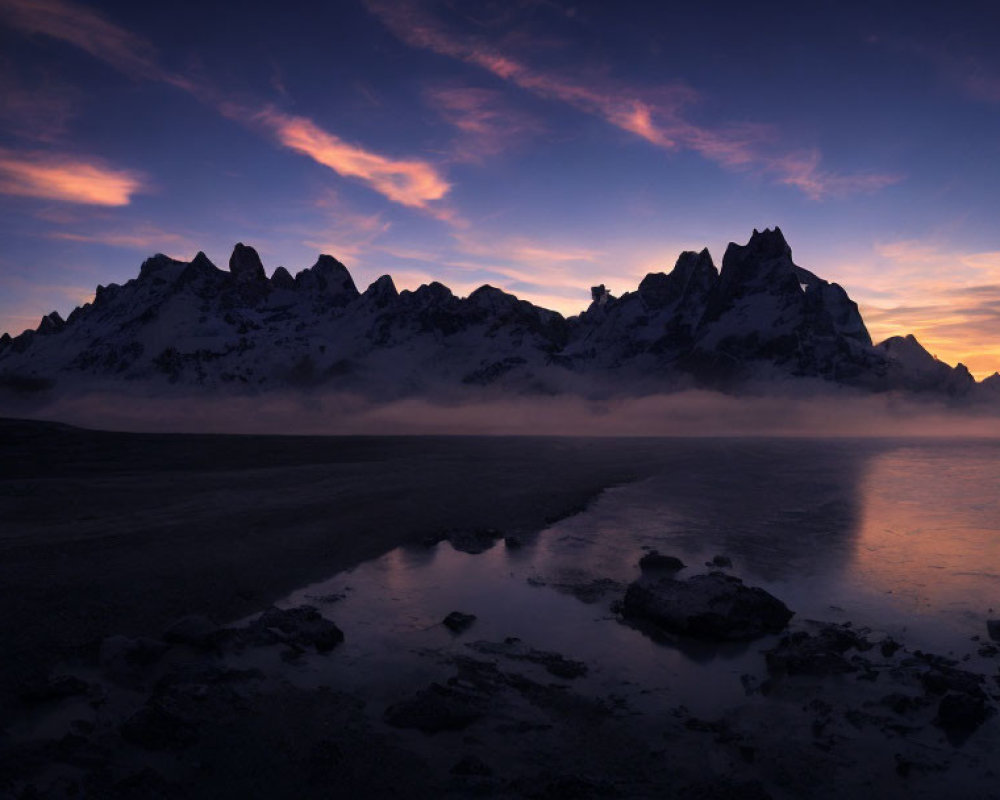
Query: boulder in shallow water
x=713, y=607
x=655, y=561
x=434, y=709
x=457, y=622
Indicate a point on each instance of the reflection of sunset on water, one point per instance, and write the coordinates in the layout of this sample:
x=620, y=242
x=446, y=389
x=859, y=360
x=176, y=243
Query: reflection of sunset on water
x=929, y=530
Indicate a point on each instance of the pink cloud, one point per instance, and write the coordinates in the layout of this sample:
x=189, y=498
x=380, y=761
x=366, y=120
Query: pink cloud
x=658, y=116
x=409, y=182
x=487, y=126
x=143, y=237
x=91, y=32
x=803, y=171
x=70, y=179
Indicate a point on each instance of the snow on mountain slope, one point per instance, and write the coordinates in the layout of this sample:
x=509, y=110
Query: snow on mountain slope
x=190, y=324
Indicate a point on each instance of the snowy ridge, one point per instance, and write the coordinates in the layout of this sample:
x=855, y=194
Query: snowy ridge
x=761, y=317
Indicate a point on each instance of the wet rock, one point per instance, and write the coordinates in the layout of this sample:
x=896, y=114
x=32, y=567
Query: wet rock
x=822, y=653
x=471, y=765
x=513, y=542
x=513, y=648
x=457, y=622
x=993, y=629
x=474, y=541
x=655, y=561
x=889, y=647
x=720, y=562
x=960, y=714
x=587, y=590
x=436, y=708
x=154, y=727
x=942, y=678
x=299, y=627
x=903, y=703
x=195, y=630
x=128, y=661
x=714, y=607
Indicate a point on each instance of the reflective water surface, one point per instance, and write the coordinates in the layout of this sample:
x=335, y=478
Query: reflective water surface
x=901, y=537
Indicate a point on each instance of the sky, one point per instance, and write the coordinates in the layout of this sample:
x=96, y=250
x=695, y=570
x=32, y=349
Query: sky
x=542, y=146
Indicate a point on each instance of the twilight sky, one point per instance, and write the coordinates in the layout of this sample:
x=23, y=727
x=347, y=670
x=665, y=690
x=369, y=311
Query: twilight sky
x=538, y=145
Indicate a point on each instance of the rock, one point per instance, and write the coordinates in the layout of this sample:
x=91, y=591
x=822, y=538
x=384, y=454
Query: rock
x=303, y=626
x=473, y=542
x=245, y=264
x=195, y=630
x=942, y=678
x=126, y=660
x=714, y=607
x=721, y=562
x=960, y=713
x=457, y=622
x=654, y=561
x=993, y=629
x=822, y=653
x=282, y=279
x=435, y=708
x=513, y=648
x=513, y=542
x=153, y=727
x=889, y=647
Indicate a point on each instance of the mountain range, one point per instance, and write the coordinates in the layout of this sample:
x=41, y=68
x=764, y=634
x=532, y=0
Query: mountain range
x=761, y=319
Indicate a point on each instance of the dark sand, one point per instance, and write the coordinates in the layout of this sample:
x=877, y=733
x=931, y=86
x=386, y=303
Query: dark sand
x=111, y=533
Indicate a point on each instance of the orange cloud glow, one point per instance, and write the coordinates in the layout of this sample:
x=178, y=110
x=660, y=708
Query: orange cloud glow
x=70, y=179
x=948, y=298
x=409, y=182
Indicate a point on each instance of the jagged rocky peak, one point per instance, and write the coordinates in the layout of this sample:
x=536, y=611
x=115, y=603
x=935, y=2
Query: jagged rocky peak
x=600, y=296
x=766, y=257
x=245, y=264
x=51, y=323
x=282, y=279
x=330, y=277
x=907, y=349
x=693, y=275
x=155, y=264
x=490, y=298
x=432, y=293
x=381, y=291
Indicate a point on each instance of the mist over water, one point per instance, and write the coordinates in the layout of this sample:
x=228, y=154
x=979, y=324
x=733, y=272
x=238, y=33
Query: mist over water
x=684, y=413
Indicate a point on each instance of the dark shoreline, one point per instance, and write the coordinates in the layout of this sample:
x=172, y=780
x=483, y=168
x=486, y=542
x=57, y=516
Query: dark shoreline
x=107, y=533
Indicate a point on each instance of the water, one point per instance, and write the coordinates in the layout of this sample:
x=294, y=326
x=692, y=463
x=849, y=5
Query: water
x=901, y=537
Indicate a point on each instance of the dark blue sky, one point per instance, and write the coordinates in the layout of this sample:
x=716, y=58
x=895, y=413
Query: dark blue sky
x=538, y=146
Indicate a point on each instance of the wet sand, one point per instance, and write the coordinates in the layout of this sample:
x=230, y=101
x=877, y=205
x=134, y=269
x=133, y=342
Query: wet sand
x=113, y=533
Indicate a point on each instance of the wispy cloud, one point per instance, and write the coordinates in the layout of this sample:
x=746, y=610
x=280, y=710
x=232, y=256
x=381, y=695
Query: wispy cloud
x=658, y=115
x=35, y=108
x=91, y=32
x=409, y=182
x=487, y=126
x=804, y=171
x=145, y=238
x=70, y=179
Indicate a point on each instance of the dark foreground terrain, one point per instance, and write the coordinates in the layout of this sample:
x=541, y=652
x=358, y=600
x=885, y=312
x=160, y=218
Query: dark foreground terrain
x=143, y=657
